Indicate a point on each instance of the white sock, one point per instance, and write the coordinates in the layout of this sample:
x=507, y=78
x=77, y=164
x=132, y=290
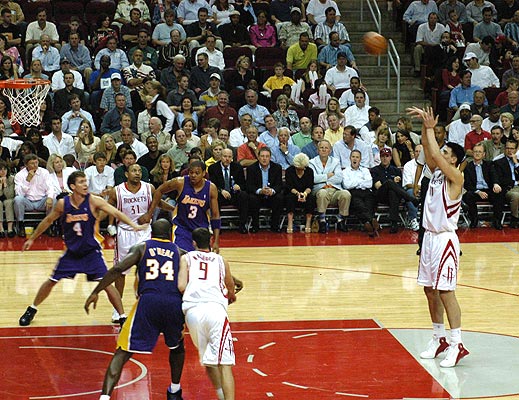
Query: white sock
x=439, y=330
x=122, y=315
x=219, y=394
x=174, y=387
x=104, y=397
x=455, y=336
x=33, y=306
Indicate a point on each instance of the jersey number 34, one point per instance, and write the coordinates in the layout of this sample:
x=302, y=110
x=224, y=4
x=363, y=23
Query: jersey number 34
x=155, y=269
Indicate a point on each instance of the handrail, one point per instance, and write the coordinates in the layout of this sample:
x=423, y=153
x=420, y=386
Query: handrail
x=377, y=19
x=393, y=59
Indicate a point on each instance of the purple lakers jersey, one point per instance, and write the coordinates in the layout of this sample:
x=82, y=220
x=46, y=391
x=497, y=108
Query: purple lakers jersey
x=79, y=227
x=192, y=209
x=158, y=268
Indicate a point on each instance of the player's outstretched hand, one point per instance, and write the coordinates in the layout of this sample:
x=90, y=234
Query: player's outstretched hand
x=92, y=299
x=141, y=227
x=238, y=284
x=27, y=245
x=426, y=114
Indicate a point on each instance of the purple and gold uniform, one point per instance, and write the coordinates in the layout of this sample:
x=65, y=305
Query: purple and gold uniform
x=192, y=212
x=159, y=307
x=83, y=254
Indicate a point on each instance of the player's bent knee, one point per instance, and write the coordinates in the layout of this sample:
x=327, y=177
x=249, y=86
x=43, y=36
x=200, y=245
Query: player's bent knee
x=179, y=349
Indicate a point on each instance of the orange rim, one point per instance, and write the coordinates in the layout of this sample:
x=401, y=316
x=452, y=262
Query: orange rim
x=22, y=83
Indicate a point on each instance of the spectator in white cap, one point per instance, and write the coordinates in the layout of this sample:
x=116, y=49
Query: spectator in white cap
x=290, y=31
x=234, y=33
x=210, y=96
x=116, y=87
x=482, y=75
x=459, y=128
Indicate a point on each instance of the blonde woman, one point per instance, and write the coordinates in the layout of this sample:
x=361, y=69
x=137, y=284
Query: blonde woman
x=216, y=149
x=158, y=104
x=405, y=124
x=507, y=120
x=85, y=144
x=59, y=174
x=242, y=75
x=332, y=107
x=285, y=117
x=107, y=146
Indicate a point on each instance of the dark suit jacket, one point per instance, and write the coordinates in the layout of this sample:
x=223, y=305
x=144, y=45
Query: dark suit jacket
x=504, y=175
x=254, y=181
x=235, y=171
x=489, y=175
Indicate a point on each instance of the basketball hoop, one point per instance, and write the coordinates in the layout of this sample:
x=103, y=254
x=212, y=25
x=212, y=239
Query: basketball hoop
x=26, y=96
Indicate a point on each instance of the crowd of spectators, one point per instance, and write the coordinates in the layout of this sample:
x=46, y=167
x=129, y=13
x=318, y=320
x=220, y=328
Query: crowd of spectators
x=165, y=84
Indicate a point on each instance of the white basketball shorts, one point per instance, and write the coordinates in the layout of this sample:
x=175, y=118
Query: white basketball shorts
x=211, y=333
x=439, y=260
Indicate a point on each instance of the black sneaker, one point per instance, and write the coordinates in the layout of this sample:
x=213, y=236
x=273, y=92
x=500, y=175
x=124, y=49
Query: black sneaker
x=323, y=227
x=122, y=320
x=175, y=396
x=28, y=316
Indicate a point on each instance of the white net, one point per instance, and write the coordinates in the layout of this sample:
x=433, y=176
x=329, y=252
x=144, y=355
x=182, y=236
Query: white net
x=26, y=102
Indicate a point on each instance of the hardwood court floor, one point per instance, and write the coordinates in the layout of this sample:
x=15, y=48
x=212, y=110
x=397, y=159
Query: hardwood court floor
x=315, y=277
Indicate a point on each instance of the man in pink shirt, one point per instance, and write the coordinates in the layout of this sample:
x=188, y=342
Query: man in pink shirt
x=32, y=189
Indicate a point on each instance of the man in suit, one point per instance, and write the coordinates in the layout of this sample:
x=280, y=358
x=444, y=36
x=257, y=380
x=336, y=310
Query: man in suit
x=229, y=179
x=387, y=184
x=480, y=185
x=265, y=188
x=507, y=170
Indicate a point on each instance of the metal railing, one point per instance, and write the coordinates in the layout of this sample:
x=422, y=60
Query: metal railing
x=393, y=59
x=375, y=15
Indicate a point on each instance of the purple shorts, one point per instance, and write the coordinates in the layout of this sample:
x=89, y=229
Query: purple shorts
x=151, y=315
x=92, y=264
x=183, y=238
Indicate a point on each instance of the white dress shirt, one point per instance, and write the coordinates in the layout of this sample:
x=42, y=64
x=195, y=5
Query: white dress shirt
x=138, y=147
x=63, y=147
x=99, y=181
x=359, y=178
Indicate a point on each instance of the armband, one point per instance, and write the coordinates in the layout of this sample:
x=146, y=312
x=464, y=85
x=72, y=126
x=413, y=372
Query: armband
x=216, y=223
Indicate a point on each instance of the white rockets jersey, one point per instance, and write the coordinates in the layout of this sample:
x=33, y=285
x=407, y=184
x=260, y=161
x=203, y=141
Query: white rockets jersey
x=133, y=204
x=441, y=214
x=206, y=279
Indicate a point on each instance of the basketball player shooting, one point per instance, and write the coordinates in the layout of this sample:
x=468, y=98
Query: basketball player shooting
x=439, y=259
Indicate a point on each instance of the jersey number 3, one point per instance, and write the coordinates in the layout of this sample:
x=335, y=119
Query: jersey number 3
x=155, y=269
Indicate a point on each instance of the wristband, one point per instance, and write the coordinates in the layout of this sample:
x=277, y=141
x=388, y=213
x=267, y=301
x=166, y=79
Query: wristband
x=216, y=223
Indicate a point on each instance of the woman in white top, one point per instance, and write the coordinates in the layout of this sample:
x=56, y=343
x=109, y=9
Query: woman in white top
x=59, y=174
x=143, y=119
x=221, y=11
x=158, y=94
x=85, y=144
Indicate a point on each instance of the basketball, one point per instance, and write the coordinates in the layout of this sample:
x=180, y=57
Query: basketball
x=374, y=43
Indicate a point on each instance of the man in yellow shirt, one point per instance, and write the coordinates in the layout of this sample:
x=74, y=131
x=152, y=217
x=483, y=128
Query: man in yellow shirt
x=301, y=53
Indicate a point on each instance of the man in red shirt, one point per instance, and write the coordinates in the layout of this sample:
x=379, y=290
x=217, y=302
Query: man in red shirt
x=227, y=115
x=476, y=135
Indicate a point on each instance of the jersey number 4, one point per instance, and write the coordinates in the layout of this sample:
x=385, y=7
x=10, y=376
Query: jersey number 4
x=155, y=269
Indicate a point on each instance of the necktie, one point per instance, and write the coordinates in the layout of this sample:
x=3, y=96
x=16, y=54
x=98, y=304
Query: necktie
x=226, y=179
